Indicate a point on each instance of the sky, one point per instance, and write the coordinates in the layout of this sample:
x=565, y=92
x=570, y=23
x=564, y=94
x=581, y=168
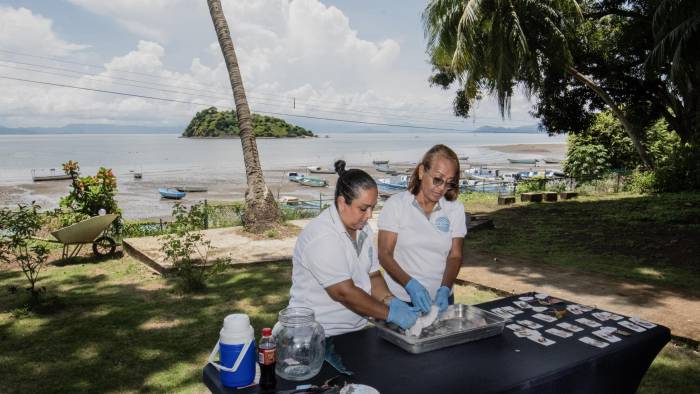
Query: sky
x=354, y=60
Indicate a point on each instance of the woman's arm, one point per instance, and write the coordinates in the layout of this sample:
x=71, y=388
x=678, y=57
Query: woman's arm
x=357, y=300
x=454, y=262
x=387, y=243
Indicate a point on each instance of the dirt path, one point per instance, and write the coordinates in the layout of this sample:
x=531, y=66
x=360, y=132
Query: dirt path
x=680, y=312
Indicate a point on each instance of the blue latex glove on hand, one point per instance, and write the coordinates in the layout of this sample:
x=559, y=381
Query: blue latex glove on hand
x=419, y=295
x=401, y=314
x=441, y=298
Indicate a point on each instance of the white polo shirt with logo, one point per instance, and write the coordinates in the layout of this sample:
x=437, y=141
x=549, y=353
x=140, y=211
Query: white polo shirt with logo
x=325, y=255
x=424, y=241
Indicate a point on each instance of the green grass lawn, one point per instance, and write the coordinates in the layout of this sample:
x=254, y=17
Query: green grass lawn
x=123, y=329
x=653, y=239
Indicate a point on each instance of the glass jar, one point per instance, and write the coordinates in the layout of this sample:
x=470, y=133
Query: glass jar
x=301, y=344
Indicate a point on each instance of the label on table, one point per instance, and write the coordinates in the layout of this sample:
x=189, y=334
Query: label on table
x=530, y=324
x=544, y=317
x=570, y=327
x=559, y=333
x=631, y=326
x=603, y=334
x=642, y=323
x=588, y=322
x=593, y=342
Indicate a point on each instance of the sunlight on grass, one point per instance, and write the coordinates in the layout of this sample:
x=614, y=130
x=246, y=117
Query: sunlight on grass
x=646, y=271
x=470, y=295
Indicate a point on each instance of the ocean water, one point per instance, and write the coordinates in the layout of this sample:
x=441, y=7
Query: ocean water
x=167, y=160
x=167, y=155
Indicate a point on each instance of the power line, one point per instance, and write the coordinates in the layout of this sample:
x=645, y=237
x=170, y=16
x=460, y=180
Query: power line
x=252, y=94
x=202, y=104
x=100, y=78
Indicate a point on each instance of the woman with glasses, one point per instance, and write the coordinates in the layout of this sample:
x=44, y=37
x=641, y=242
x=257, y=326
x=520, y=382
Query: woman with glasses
x=421, y=232
x=335, y=270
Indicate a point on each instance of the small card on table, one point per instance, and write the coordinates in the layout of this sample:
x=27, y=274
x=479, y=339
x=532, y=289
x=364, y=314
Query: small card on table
x=570, y=327
x=593, y=342
x=529, y=324
x=631, y=326
x=588, y=322
x=559, y=333
x=544, y=317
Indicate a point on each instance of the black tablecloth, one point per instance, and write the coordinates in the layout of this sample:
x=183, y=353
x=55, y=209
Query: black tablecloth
x=504, y=363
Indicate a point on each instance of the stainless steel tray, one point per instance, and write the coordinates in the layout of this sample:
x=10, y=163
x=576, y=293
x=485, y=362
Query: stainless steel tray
x=458, y=324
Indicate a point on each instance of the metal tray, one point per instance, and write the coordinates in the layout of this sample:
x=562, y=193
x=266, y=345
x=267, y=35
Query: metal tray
x=458, y=324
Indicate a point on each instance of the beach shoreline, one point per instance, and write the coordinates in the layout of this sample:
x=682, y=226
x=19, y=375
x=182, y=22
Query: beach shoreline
x=139, y=199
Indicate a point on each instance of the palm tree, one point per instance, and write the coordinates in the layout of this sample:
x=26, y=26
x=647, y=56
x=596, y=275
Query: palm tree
x=676, y=28
x=261, y=210
x=494, y=45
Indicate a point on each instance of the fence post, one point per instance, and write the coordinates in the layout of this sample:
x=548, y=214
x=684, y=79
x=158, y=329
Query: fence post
x=161, y=224
x=206, y=215
x=320, y=202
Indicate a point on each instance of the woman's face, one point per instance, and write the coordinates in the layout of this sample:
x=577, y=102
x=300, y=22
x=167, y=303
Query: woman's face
x=438, y=179
x=356, y=214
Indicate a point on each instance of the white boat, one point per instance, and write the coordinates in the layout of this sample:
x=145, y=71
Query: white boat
x=482, y=174
x=192, y=188
x=295, y=176
x=320, y=170
x=52, y=176
x=396, y=182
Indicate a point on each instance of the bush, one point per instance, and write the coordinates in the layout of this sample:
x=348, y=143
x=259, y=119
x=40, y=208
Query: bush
x=584, y=162
x=681, y=170
x=17, y=229
x=90, y=194
x=188, y=249
x=641, y=182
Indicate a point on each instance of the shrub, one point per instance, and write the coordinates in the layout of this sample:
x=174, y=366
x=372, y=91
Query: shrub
x=585, y=163
x=17, y=229
x=641, y=182
x=188, y=249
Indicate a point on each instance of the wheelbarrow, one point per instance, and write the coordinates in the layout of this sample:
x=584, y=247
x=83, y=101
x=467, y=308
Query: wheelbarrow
x=88, y=231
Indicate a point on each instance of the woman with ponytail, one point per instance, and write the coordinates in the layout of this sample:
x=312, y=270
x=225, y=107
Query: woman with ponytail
x=335, y=269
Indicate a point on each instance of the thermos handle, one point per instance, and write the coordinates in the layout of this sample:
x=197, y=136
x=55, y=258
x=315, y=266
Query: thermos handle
x=238, y=360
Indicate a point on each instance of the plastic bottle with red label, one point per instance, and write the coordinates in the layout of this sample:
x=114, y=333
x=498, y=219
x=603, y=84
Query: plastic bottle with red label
x=267, y=359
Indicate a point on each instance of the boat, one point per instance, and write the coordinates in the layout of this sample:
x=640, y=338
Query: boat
x=312, y=182
x=540, y=174
x=52, y=176
x=463, y=158
x=376, y=162
x=295, y=176
x=289, y=200
x=382, y=166
x=192, y=188
x=320, y=170
x=522, y=161
x=482, y=174
x=550, y=160
x=396, y=182
x=138, y=175
x=171, y=193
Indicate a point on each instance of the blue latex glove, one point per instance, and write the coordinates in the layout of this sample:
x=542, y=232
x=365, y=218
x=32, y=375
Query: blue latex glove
x=443, y=293
x=401, y=314
x=419, y=295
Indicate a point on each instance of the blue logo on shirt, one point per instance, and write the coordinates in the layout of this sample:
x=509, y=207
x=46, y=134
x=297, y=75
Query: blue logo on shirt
x=443, y=224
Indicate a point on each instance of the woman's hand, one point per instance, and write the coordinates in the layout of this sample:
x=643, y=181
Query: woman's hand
x=401, y=314
x=441, y=298
x=419, y=295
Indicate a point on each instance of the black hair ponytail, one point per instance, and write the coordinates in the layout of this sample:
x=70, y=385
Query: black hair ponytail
x=351, y=181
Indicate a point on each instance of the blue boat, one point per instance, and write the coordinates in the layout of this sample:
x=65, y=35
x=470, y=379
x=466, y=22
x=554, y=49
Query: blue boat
x=397, y=182
x=172, y=194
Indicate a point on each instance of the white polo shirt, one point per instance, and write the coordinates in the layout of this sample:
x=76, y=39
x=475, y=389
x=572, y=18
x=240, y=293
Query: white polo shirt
x=423, y=242
x=324, y=255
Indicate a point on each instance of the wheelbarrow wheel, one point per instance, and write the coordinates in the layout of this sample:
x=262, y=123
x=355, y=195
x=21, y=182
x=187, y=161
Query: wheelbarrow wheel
x=104, y=246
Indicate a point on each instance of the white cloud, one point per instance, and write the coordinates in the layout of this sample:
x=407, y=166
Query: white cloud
x=298, y=48
x=20, y=29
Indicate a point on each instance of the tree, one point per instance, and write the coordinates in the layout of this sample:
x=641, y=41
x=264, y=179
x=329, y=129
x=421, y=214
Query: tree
x=493, y=46
x=261, y=211
x=676, y=28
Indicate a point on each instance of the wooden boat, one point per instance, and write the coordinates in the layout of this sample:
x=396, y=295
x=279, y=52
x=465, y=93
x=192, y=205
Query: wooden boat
x=52, y=176
x=289, y=200
x=312, y=182
x=382, y=166
x=170, y=193
x=550, y=160
x=320, y=170
x=376, y=162
x=522, y=161
x=192, y=189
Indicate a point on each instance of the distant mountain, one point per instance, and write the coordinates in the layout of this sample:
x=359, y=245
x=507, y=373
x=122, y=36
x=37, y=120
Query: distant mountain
x=93, y=129
x=519, y=129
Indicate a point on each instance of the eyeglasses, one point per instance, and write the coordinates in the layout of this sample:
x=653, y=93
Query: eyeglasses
x=439, y=182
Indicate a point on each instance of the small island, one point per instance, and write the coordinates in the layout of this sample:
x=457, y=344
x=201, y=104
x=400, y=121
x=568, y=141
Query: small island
x=214, y=123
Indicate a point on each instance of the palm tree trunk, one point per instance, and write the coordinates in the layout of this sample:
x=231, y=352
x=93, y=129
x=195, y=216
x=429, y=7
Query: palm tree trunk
x=261, y=210
x=631, y=130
